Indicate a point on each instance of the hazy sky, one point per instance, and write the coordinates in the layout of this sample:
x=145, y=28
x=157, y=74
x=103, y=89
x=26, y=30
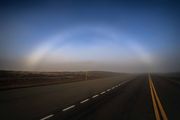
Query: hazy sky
x=131, y=36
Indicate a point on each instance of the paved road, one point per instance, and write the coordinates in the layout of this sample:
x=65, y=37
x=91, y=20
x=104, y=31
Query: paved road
x=148, y=97
x=131, y=100
x=36, y=102
x=142, y=97
x=169, y=93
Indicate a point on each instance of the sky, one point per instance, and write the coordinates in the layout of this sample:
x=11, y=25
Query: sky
x=86, y=35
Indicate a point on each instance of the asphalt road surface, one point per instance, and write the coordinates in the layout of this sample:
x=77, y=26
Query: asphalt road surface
x=135, y=97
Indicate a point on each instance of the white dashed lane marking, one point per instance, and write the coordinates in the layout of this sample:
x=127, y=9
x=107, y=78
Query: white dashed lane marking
x=84, y=101
x=47, y=117
x=102, y=92
x=70, y=107
x=108, y=90
x=95, y=96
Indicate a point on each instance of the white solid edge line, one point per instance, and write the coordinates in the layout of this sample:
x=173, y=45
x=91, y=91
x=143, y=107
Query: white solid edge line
x=95, y=96
x=47, y=117
x=84, y=101
x=65, y=109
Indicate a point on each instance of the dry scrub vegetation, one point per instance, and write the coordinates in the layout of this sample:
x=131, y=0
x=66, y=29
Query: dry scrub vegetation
x=17, y=79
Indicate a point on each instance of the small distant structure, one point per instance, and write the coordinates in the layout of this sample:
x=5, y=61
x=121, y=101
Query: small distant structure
x=86, y=75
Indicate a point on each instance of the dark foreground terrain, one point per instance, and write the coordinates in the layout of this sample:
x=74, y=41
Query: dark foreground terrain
x=127, y=97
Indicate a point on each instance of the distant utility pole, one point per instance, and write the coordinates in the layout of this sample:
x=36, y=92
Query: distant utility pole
x=86, y=73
